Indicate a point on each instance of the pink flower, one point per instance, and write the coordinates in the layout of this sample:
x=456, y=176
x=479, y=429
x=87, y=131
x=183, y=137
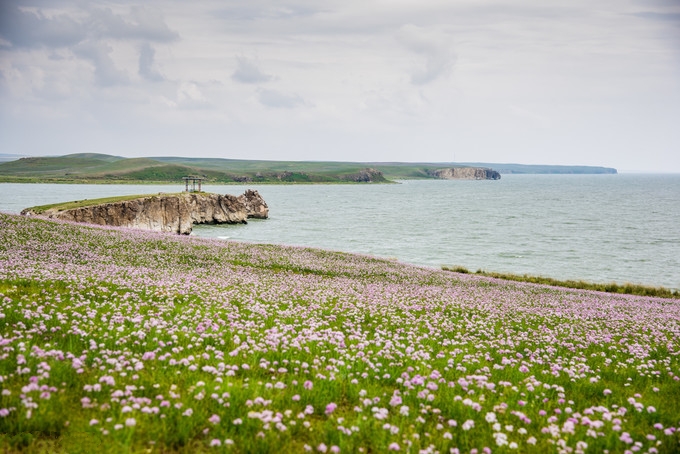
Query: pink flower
x=393, y=447
x=130, y=422
x=214, y=419
x=296, y=397
x=215, y=442
x=308, y=385
x=626, y=438
x=330, y=408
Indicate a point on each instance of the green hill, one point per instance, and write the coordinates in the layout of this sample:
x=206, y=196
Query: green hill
x=101, y=168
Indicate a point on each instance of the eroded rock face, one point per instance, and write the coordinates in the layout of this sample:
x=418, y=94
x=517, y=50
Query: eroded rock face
x=169, y=212
x=465, y=173
x=255, y=204
x=367, y=175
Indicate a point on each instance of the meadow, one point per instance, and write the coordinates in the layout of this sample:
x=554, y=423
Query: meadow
x=115, y=340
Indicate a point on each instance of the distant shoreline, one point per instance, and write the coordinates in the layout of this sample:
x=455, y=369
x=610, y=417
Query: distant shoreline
x=612, y=287
x=92, y=168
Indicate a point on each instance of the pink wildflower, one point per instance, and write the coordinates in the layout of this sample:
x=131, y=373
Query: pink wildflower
x=214, y=419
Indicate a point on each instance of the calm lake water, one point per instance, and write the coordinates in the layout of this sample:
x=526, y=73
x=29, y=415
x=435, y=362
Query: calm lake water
x=601, y=228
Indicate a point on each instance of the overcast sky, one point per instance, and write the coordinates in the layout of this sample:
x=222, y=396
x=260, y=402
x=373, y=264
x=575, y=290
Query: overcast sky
x=590, y=82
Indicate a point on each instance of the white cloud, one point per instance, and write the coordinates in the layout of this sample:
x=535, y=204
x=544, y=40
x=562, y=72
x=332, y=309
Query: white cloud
x=146, y=63
x=433, y=47
x=22, y=28
x=190, y=96
x=248, y=72
x=105, y=71
x=279, y=100
x=141, y=23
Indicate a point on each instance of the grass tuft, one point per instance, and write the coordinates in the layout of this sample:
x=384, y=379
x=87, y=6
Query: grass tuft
x=629, y=289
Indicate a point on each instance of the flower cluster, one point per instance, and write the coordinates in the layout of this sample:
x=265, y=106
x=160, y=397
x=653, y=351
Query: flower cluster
x=135, y=339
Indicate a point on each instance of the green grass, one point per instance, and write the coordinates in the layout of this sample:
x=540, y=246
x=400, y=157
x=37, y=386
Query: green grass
x=61, y=206
x=612, y=287
x=90, y=168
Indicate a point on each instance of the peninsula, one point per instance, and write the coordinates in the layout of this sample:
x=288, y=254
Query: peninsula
x=175, y=213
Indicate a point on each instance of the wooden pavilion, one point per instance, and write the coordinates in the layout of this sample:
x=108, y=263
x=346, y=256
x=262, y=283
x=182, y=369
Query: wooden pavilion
x=194, y=181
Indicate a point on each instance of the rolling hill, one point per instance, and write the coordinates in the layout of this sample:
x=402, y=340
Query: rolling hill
x=93, y=168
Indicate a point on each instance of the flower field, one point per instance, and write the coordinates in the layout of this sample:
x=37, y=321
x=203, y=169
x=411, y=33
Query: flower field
x=126, y=341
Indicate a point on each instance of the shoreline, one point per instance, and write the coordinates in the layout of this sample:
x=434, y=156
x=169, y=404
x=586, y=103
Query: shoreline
x=607, y=287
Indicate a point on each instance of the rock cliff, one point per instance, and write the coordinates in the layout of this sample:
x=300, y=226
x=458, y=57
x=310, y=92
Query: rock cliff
x=367, y=175
x=175, y=213
x=465, y=173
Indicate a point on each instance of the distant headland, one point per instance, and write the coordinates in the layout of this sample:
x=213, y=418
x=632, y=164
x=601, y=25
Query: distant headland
x=101, y=168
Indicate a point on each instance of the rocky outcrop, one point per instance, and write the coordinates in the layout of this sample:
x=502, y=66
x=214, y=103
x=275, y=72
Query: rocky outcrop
x=465, y=173
x=175, y=213
x=367, y=175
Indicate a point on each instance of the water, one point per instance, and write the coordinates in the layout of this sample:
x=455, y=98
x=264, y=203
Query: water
x=600, y=228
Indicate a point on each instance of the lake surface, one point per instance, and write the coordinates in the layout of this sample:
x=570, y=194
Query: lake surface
x=600, y=228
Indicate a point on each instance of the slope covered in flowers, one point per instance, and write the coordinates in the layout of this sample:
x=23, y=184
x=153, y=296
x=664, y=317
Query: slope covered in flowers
x=126, y=341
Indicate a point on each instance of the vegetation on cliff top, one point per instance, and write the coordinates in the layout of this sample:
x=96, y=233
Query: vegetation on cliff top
x=117, y=340
x=61, y=206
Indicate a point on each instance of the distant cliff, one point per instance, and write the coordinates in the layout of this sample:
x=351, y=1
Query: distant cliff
x=367, y=175
x=465, y=173
x=175, y=213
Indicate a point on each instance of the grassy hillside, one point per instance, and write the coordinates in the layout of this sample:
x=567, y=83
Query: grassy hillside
x=104, y=168
x=123, y=341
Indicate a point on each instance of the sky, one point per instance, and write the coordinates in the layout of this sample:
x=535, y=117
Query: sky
x=584, y=82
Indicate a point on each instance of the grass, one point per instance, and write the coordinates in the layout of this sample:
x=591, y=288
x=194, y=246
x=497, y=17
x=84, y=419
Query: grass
x=61, y=206
x=612, y=287
x=116, y=341
x=92, y=168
